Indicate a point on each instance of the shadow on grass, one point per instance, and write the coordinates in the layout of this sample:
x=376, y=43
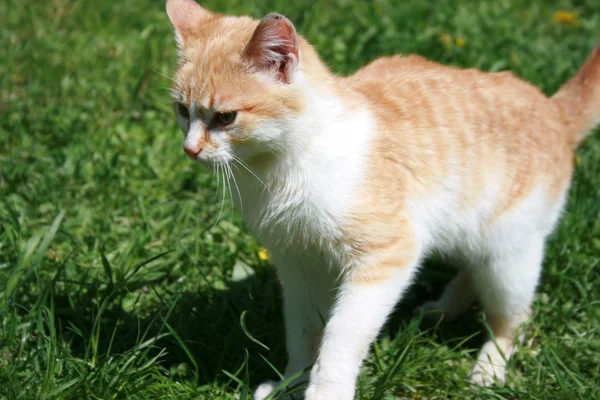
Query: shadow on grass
x=209, y=335
x=204, y=336
x=429, y=285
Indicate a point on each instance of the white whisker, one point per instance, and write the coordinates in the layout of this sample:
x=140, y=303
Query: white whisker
x=218, y=181
x=237, y=189
x=163, y=75
x=228, y=170
x=214, y=170
x=222, y=202
x=243, y=164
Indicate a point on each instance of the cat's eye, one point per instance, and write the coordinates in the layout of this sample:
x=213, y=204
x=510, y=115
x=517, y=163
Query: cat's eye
x=183, y=110
x=226, y=118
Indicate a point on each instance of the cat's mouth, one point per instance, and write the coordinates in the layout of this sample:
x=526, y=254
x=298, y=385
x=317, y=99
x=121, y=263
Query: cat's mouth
x=206, y=161
x=199, y=157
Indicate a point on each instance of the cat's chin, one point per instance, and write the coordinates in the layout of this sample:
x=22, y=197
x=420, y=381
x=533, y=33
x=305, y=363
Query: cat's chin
x=209, y=164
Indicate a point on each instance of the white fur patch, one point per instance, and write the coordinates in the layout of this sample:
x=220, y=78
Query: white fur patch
x=310, y=188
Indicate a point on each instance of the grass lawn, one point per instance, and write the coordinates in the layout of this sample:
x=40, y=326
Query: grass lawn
x=117, y=282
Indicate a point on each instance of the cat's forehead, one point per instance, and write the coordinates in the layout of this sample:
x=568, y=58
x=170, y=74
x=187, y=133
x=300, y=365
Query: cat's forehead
x=213, y=60
x=222, y=39
x=215, y=82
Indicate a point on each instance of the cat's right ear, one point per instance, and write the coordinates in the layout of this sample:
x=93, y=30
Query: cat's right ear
x=273, y=47
x=186, y=16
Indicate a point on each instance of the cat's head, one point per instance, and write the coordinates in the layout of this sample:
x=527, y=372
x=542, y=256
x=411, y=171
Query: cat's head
x=239, y=86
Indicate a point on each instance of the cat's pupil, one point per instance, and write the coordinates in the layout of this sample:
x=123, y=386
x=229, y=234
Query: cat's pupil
x=226, y=117
x=182, y=110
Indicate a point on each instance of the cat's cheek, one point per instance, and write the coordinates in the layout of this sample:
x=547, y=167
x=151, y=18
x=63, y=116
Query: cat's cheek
x=271, y=131
x=220, y=150
x=243, y=142
x=238, y=138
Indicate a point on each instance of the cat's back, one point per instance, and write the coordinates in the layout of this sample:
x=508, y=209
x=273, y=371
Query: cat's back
x=401, y=69
x=473, y=133
x=428, y=92
x=442, y=116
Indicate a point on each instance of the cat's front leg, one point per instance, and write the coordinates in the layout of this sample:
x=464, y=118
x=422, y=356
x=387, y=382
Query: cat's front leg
x=364, y=301
x=308, y=294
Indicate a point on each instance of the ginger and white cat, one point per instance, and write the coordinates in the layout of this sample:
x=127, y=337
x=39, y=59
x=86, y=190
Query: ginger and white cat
x=351, y=182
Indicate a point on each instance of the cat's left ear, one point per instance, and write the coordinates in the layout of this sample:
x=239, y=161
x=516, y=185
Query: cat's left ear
x=273, y=47
x=186, y=16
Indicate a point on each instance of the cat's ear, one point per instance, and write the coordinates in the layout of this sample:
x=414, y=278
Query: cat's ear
x=273, y=47
x=186, y=16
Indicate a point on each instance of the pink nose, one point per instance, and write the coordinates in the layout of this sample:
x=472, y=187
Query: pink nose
x=191, y=152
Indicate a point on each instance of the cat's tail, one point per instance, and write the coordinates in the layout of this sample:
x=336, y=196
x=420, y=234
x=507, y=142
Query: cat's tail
x=579, y=98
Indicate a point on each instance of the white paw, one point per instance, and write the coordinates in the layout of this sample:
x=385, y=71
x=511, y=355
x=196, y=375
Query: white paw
x=329, y=392
x=313, y=394
x=264, y=389
x=486, y=374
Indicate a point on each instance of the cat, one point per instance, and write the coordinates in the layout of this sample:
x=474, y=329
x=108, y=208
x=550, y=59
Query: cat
x=350, y=182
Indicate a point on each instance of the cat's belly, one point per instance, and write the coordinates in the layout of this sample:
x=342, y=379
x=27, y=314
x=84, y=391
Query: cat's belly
x=477, y=234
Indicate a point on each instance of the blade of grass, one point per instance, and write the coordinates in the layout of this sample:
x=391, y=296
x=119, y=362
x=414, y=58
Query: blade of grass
x=247, y=332
x=185, y=348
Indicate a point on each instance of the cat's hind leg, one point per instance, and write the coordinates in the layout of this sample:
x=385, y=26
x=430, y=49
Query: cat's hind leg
x=458, y=296
x=506, y=287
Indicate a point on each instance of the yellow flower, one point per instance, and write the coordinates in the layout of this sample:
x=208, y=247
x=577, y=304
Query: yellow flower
x=565, y=17
x=460, y=42
x=264, y=255
x=577, y=160
x=447, y=39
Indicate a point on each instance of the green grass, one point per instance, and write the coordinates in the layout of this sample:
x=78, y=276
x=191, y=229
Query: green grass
x=115, y=280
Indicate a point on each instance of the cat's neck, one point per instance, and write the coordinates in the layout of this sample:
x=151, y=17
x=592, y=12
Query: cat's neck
x=329, y=130
x=312, y=180
x=332, y=132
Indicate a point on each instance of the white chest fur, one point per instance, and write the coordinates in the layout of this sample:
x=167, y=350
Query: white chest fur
x=305, y=195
